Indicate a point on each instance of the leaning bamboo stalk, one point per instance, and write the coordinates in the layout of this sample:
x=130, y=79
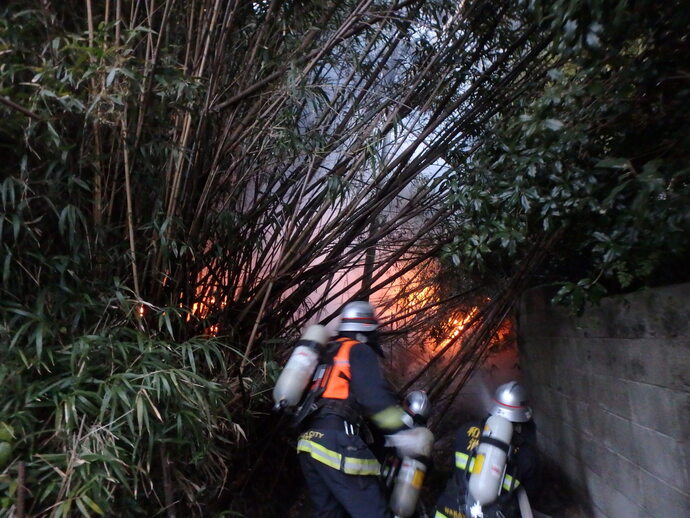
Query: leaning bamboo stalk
x=11, y=104
x=308, y=58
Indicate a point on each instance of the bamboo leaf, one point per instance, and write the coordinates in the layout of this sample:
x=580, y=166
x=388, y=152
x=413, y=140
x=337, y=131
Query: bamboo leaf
x=553, y=124
x=93, y=505
x=139, y=403
x=111, y=77
x=82, y=508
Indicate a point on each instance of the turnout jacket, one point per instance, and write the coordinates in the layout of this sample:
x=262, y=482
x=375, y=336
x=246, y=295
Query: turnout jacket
x=355, y=392
x=522, y=470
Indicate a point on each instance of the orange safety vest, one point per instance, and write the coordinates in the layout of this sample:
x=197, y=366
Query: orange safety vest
x=337, y=385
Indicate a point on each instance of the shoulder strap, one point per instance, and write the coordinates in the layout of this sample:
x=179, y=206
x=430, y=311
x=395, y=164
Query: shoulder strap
x=311, y=401
x=330, y=389
x=337, y=386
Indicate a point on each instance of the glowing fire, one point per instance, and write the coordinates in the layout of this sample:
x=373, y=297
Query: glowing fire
x=457, y=324
x=421, y=297
x=203, y=306
x=201, y=310
x=213, y=330
x=416, y=297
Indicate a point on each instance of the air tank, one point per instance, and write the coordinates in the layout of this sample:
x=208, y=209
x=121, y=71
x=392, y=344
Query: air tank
x=489, y=466
x=408, y=483
x=298, y=370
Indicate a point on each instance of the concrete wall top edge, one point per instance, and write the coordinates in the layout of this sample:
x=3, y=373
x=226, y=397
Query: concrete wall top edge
x=653, y=312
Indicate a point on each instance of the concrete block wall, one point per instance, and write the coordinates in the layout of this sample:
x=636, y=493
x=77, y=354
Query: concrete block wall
x=611, y=395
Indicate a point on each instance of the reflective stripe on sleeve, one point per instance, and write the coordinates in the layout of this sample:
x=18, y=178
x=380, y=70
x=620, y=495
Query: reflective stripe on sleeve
x=389, y=418
x=333, y=459
x=439, y=514
x=353, y=466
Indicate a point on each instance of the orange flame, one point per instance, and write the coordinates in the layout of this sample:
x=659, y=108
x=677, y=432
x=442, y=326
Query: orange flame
x=205, y=302
x=458, y=325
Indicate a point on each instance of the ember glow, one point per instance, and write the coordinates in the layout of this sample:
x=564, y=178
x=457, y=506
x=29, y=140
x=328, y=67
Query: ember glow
x=426, y=320
x=457, y=325
x=203, y=306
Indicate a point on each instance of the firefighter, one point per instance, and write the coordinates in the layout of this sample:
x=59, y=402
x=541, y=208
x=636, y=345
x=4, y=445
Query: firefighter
x=341, y=472
x=416, y=405
x=395, y=474
x=522, y=471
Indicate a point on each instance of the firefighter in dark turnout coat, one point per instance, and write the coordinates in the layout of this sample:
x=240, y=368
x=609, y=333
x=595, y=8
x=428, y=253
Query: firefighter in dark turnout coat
x=341, y=471
x=523, y=463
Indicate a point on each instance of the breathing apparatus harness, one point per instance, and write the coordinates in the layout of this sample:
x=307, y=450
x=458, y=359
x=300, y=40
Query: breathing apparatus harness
x=494, y=452
x=329, y=392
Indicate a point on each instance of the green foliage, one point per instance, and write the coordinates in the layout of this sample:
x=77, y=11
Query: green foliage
x=95, y=418
x=102, y=402
x=599, y=150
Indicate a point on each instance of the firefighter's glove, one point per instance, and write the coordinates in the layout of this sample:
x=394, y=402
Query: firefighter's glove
x=415, y=442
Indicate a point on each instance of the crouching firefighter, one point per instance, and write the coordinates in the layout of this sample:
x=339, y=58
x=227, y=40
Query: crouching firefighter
x=496, y=462
x=349, y=392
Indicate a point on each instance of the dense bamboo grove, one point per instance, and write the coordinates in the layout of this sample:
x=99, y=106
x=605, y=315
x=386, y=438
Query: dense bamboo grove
x=187, y=184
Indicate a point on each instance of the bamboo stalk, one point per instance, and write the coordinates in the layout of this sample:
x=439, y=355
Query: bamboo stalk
x=118, y=21
x=130, y=205
x=21, y=109
x=168, y=492
x=89, y=20
x=150, y=71
x=21, y=490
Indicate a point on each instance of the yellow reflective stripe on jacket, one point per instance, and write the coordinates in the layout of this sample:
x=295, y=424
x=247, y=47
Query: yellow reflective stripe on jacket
x=328, y=457
x=453, y=514
x=507, y=480
x=461, y=463
x=354, y=466
x=333, y=459
x=389, y=418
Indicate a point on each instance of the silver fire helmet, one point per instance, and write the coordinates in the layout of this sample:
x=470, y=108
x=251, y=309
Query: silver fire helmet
x=417, y=405
x=358, y=316
x=510, y=401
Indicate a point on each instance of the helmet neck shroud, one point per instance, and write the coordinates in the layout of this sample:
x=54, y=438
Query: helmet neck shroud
x=370, y=338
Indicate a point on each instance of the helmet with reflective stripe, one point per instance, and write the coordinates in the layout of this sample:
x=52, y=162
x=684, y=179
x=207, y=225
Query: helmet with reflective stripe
x=358, y=316
x=510, y=402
